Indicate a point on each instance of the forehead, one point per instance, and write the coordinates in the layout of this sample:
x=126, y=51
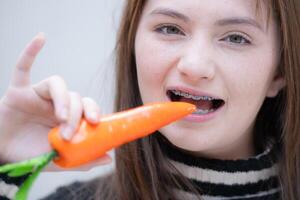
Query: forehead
x=212, y=10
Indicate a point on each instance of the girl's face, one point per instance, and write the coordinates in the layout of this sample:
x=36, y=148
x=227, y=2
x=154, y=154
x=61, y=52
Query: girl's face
x=214, y=48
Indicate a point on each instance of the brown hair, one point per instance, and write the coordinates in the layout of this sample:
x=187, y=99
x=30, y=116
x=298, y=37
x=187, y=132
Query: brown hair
x=142, y=172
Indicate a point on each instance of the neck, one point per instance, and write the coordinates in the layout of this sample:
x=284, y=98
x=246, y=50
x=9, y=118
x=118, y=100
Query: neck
x=233, y=152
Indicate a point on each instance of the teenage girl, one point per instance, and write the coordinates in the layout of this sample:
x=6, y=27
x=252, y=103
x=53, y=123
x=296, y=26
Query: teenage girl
x=237, y=60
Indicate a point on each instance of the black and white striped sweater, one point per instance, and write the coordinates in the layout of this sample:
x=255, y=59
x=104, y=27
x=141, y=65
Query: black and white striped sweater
x=10, y=185
x=255, y=178
x=250, y=179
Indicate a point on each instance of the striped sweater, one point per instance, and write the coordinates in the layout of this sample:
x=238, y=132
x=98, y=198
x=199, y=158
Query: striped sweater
x=249, y=179
x=255, y=178
x=9, y=186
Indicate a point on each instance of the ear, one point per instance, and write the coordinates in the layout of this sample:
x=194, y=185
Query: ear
x=275, y=86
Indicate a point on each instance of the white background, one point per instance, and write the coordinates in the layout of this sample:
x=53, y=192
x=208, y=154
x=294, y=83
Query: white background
x=80, y=37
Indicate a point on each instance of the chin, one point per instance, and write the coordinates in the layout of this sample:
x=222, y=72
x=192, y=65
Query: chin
x=188, y=140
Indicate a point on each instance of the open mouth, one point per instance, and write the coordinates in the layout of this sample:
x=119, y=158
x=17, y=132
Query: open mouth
x=205, y=104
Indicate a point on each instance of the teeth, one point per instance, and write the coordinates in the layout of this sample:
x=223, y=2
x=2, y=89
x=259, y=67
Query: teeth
x=176, y=92
x=197, y=98
x=186, y=95
x=202, y=112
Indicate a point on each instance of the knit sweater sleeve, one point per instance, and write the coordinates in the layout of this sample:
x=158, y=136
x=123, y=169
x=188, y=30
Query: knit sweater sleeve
x=76, y=190
x=10, y=185
x=98, y=188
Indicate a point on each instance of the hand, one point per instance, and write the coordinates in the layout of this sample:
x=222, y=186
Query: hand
x=28, y=112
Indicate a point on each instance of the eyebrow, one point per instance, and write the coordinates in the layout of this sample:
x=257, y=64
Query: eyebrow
x=170, y=13
x=222, y=22
x=244, y=20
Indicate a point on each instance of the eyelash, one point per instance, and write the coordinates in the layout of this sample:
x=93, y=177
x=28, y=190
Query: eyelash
x=163, y=29
x=245, y=41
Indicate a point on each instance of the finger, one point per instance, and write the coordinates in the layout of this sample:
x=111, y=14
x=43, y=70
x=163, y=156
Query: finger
x=55, y=89
x=75, y=115
x=104, y=160
x=91, y=110
x=21, y=74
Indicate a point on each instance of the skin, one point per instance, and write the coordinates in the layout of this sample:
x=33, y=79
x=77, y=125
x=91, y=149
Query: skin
x=28, y=111
x=197, y=53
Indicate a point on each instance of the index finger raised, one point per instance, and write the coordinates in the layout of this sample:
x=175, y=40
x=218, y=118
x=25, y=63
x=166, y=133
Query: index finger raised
x=21, y=74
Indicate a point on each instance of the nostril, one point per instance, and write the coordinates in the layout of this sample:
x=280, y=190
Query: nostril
x=194, y=70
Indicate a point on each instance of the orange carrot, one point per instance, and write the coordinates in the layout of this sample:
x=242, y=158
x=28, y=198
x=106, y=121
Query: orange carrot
x=93, y=141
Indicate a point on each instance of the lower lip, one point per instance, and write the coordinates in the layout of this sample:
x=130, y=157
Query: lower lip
x=203, y=118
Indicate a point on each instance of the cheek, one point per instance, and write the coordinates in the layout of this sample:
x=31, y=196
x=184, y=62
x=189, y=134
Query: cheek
x=149, y=65
x=247, y=81
x=245, y=76
x=153, y=61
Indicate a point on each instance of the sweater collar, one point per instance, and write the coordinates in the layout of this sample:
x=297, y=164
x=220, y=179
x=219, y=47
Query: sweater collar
x=265, y=159
x=213, y=178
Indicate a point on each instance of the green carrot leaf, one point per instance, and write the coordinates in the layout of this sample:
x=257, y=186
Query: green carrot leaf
x=21, y=171
x=33, y=167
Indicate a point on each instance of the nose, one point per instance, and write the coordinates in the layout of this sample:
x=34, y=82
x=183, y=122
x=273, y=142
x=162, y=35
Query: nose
x=196, y=61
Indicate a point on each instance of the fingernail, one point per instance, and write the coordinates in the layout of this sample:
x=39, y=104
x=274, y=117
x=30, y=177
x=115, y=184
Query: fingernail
x=66, y=132
x=64, y=113
x=40, y=34
x=94, y=116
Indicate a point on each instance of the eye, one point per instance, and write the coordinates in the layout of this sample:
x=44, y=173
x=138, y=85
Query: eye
x=169, y=30
x=237, y=39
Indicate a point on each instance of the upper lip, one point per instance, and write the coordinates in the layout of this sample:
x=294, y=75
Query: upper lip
x=193, y=92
